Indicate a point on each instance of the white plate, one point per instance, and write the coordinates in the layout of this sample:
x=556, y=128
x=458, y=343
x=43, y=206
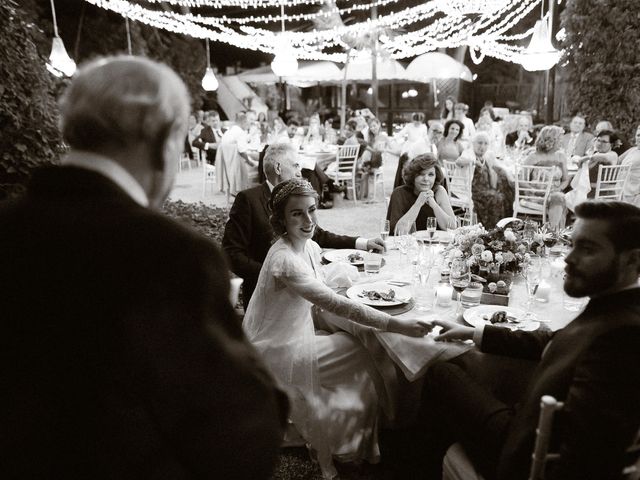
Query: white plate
x=440, y=236
x=474, y=316
x=342, y=255
x=402, y=294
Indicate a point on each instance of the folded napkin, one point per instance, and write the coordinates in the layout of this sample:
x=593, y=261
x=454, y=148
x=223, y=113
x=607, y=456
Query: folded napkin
x=340, y=275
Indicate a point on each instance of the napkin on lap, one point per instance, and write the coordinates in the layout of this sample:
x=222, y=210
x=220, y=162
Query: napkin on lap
x=340, y=275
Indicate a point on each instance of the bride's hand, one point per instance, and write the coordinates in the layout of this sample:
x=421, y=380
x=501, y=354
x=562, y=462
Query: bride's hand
x=410, y=328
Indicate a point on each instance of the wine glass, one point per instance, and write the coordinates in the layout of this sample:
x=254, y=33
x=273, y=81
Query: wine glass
x=532, y=273
x=432, y=224
x=459, y=278
x=470, y=218
x=402, y=233
x=528, y=232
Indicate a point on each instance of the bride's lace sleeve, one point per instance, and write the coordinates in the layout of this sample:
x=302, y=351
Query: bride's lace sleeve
x=296, y=275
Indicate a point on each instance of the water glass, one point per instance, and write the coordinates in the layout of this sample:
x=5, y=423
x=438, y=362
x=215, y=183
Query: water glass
x=471, y=295
x=372, y=263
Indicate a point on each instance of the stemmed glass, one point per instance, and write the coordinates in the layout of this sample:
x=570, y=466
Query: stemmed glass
x=528, y=232
x=459, y=278
x=432, y=224
x=532, y=273
x=385, y=226
x=403, y=234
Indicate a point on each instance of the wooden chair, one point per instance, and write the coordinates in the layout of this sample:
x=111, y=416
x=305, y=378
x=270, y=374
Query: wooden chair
x=611, y=181
x=459, y=181
x=532, y=188
x=345, y=171
x=457, y=466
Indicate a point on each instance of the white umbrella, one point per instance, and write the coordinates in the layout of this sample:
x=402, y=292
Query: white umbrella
x=386, y=69
x=434, y=65
x=309, y=73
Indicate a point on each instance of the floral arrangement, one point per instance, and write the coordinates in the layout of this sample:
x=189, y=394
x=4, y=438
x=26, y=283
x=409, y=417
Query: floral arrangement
x=495, y=254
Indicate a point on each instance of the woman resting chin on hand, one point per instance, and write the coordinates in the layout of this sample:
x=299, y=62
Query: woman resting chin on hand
x=421, y=197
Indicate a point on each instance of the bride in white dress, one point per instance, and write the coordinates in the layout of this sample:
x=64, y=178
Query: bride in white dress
x=334, y=405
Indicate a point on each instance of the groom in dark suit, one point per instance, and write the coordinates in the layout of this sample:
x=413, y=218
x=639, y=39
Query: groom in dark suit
x=591, y=365
x=122, y=356
x=248, y=234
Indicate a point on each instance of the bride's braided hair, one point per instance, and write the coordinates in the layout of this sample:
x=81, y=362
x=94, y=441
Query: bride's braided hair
x=279, y=197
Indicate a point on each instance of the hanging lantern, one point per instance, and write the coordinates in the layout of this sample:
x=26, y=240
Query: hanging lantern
x=209, y=81
x=540, y=54
x=60, y=63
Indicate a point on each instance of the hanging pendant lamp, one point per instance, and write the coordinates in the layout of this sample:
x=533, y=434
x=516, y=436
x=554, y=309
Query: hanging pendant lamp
x=540, y=54
x=285, y=63
x=60, y=63
x=209, y=81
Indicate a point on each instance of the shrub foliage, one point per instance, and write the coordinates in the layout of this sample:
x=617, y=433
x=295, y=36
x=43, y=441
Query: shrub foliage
x=601, y=45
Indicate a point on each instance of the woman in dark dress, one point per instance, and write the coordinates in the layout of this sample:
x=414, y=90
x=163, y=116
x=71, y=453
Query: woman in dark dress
x=421, y=197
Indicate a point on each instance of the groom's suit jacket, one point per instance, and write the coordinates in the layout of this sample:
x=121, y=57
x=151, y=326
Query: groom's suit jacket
x=122, y=356
x=248, y=236
x=592, y=366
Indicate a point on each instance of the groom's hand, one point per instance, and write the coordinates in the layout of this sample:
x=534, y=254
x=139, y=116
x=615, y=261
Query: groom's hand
x=375, y=244
x=453, y=331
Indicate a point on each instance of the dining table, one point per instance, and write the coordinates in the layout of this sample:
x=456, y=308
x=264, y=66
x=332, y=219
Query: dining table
x=413, y=355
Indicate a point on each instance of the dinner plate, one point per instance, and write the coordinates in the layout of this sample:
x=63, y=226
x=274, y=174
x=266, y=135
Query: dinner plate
x=342, y=255
x=403, y=295
x=480, y=315
x=440, y=236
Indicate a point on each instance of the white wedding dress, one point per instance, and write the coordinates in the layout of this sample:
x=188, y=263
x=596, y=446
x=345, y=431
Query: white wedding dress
x=334, y=405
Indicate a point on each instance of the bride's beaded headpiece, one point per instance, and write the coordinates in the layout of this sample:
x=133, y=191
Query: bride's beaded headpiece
x=295, y=186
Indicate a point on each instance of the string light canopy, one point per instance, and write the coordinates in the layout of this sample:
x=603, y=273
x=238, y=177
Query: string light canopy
x=285, y=63
x=468, y=7
x=419, y=29
x=60, y=63
x=209, y=81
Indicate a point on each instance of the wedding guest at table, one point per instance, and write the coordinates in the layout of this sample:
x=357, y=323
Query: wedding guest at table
x=422, y=196
x=125, y=358
x=248, y=234
x=313, y=137
x=586, y=365
x=631, y=157
x=576, y=142
x=460, y=114
x=619, y=146
x=447, y=109
x=233, y=158
x=450, y=147
x=603, y=155
x=491, y=191
x=436, y=133
x=524, y=136
x=377, y=144
x=548, y=154
x=210, y=136
x=487, y=123
x=414, y=132
x=334, y=404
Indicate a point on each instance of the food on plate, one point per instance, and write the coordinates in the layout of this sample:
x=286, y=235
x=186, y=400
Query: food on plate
x=355, y=257
x=389, y=296
x=498, y=317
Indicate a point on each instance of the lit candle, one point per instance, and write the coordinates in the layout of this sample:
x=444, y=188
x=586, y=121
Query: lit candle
x=543, y=292
x=444, y=292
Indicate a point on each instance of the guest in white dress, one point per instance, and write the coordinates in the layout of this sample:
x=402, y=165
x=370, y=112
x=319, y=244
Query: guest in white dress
x=414, y=133
x=232, y=158
x=631, y=157
x=334, y=402
x=460, y=114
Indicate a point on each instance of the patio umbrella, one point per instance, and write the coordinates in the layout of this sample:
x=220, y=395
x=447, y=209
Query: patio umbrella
x=436, y=65
x=309, y=73
x=386, y=69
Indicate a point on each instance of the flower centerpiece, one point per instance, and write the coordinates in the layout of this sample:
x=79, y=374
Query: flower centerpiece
x=495, y=255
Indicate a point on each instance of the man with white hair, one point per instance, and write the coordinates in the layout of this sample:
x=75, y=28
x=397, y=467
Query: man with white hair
x=124, y=358
x=248, y=234
x=524, y=136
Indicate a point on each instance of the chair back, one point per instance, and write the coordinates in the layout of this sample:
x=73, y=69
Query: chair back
x=532, y=188
x=548, y=407
x=347, y=158
x=611, y=181
x=459, y=180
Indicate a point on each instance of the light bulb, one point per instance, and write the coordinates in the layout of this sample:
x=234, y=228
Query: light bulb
x=59, y=60
x=209, y=81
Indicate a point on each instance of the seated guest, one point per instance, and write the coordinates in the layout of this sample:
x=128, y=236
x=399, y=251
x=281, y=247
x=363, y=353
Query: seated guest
x=334, y=404
x=524, y=136
x=414, y=132
x=450, y=147
x=248, y=235
x=210, y=136
x=421, y=197
x=603, y=155
x=447, y=109
x=576, y=142
x=589, y=365
x=619, y=146
x=460, y=114
x=547, y=154
x=126, y=359
x=487, y=123
x=491, y=190
x=632, y=158
x=436, y=133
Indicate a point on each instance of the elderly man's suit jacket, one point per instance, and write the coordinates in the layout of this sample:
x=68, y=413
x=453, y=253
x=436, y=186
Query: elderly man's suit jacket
x=583, y=141
x=122, y=356
x=591, y=365
x=249, y=235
